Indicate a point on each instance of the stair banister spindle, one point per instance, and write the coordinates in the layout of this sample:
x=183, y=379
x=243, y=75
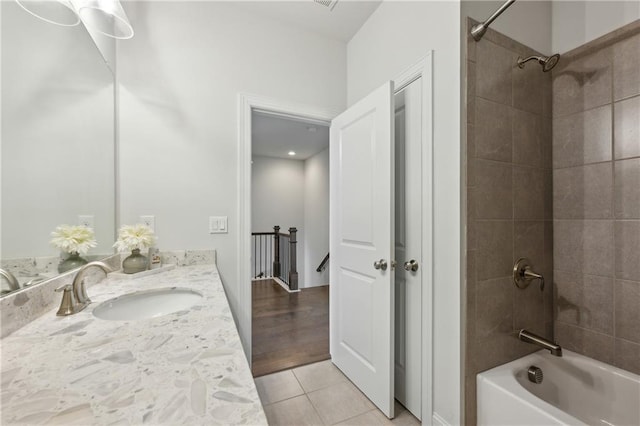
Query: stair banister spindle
x=293, y=271
x=276, y=250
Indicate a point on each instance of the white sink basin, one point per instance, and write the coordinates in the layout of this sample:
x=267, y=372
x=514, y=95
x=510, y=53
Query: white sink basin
x=147, y=304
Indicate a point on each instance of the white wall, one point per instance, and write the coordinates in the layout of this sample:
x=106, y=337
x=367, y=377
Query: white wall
x=277, y=198
x=396, y=36
x=179, y=81
x=578, y=22
x=57, y=134
x=316, y=217
x=528, y=22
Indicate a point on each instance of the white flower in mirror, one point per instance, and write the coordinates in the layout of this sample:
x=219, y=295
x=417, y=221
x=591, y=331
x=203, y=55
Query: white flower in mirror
x=73, y=238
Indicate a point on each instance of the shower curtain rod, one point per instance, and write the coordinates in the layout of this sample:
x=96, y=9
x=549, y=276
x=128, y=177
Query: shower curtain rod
x=478, y=30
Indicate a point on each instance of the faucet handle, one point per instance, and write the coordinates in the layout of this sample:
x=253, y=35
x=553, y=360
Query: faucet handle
x=523, y=274
x=68, y=304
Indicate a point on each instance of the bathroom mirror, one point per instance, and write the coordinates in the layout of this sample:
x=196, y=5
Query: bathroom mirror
x=57, y=143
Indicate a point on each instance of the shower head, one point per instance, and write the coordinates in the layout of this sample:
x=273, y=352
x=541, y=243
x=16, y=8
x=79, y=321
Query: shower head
x=547, y=62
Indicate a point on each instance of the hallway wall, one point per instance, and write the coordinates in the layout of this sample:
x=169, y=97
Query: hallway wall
x=316, y=217
x=277, y=198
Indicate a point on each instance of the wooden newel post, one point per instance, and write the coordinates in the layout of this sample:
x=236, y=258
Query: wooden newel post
x=293, y=272
x=276, y=249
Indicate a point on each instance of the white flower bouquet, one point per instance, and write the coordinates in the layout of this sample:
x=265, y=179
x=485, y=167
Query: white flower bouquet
x=73, y=239
x=131, y=237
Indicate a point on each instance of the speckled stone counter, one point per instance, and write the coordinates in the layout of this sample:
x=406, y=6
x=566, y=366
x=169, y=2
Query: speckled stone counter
x=183, y=368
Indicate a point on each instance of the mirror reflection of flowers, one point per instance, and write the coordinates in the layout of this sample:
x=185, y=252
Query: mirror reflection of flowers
x=132, y=237
x=73, y=239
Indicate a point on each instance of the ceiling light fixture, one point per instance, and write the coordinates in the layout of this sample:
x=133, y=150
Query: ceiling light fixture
x=292, y=153
x=104, y=16
x=58, y=12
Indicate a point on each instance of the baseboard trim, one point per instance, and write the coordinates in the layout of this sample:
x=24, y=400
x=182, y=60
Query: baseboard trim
x=285, y=286
x=438, y=421
x=279, y=281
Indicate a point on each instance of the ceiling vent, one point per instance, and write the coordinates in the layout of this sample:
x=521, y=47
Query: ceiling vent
x=327, y=3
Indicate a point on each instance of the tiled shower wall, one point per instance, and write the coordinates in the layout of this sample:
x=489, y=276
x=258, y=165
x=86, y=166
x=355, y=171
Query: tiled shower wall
x=509, y=204
x=596, y=198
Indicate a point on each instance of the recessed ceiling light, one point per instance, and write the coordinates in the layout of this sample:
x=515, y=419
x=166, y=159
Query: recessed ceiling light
x=292, y=153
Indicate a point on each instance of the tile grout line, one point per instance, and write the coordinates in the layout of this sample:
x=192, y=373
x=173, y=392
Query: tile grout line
x=613, y=203
x=306, y=394
x=574, y=166
x=353, y=417
x=343, y=380
x=315, y=409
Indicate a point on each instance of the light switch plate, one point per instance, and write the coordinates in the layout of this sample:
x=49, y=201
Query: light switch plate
x=218, y=225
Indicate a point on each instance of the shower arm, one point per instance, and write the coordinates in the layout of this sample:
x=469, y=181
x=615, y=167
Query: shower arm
x=522, y=61
x=478, y=30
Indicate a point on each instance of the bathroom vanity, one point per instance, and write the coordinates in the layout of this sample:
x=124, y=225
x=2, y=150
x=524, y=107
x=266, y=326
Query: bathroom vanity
x=185, y=367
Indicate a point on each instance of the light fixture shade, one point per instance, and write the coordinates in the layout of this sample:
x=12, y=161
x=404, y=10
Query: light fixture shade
x=106, y=17
x=59, y=12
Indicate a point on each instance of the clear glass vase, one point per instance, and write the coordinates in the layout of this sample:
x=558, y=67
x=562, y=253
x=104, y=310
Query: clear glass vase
x=72, y=261
x=134, y=263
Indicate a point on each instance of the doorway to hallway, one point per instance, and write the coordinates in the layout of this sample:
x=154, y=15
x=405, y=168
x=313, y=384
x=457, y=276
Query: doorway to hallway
x=290, y=239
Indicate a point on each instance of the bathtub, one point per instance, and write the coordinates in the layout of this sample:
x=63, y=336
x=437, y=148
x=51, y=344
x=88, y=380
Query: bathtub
x=575, y=390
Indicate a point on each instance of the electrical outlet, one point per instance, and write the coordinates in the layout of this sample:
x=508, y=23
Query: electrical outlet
x=218, y=225
x=85, y=220
x=150, y=221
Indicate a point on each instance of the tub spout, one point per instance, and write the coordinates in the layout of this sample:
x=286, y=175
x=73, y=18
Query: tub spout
x=529, y=337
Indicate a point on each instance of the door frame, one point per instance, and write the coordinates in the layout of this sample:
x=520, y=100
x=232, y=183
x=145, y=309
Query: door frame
x=247, y=103
x=423, y=69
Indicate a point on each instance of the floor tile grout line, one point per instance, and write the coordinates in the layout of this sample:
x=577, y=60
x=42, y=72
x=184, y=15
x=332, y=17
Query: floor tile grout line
x=373, y=407
x=353, y=417
x=342, y=380
x=315, y=409
x=283, y=400
x=288, y=398
x=293, y=371
x=306, y=394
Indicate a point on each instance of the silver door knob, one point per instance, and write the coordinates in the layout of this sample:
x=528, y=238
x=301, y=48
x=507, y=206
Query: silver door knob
x=380, y=264
x=411, y=265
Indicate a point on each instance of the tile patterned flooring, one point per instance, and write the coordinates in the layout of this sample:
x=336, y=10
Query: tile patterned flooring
x=319, y=394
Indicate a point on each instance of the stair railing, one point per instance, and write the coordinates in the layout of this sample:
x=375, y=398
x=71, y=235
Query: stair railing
x=275, y=256
x=323, y=264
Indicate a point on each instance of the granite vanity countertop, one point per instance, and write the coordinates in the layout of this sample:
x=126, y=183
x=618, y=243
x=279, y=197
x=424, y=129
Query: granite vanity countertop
x=183, y=368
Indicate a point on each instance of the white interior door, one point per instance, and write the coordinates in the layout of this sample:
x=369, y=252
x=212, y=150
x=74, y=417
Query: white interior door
x=408, y=247
x=361, y=245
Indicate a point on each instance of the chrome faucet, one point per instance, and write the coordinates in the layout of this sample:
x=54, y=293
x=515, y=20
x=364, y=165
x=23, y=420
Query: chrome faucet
x=79, y=290
x=529, y=337
x=74, y=298
x=11, y=279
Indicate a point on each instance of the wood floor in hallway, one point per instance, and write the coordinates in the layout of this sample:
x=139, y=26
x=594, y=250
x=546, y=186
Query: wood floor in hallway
x=288, y=329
